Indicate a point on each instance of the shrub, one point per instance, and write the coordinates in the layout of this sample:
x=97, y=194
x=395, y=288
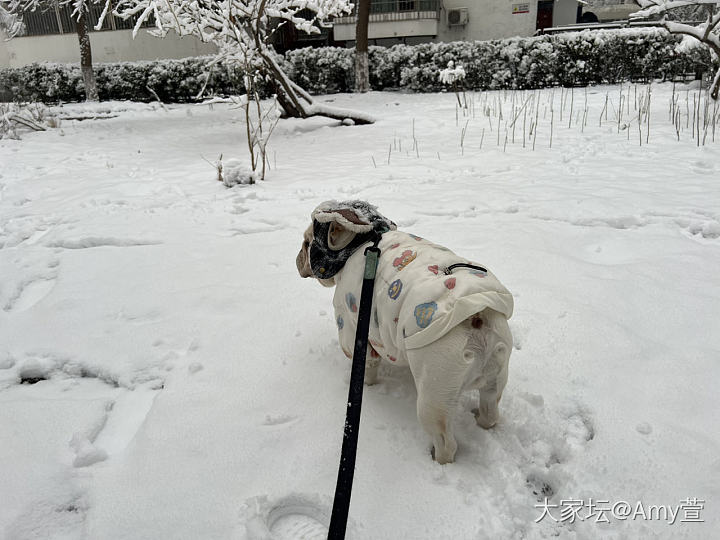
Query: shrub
x=571, y=59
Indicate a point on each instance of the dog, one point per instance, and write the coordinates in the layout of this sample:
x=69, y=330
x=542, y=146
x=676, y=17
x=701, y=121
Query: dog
x=442, y=315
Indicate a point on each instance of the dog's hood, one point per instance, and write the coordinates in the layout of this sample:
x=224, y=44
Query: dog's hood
x=358, y=216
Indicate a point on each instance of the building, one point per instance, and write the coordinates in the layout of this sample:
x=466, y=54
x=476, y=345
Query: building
x=417, y=21
x=50, y=35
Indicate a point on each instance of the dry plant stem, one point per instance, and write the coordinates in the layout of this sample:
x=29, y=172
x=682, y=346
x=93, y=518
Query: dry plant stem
x=248, y=129
x=647, y=131
x=552, y=122
x=156, y=97
x=535, y=128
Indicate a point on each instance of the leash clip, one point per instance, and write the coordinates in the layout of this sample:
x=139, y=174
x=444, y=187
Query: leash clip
x=372, y=255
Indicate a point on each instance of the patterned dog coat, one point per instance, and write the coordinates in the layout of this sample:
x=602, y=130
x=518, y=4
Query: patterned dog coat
x=414, y=301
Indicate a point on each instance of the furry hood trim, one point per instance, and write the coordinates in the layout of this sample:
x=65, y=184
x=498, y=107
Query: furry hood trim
x=355, y=215
x=360, y=217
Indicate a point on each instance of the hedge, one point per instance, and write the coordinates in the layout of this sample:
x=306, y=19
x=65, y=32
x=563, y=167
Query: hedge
x=571, y=59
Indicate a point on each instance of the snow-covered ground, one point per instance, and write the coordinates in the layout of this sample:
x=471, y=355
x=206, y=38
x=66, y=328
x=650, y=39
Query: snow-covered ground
x=175, y=366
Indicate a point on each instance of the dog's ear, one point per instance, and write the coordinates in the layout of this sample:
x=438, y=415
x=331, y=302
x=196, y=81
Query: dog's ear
x=339, y=236
x=344, y=222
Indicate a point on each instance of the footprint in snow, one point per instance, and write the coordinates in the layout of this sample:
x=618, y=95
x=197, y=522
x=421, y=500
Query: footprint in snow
x=6, y=360
x=703, y=229
x=291, y=517
x=279, y=419
x=539, y=486
x=579, y=426
x=702, y=167
x=30, y=294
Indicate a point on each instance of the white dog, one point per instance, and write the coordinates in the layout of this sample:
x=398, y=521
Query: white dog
x=440, y=314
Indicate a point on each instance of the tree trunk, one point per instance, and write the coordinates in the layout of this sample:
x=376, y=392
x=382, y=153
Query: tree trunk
x=81, y=26
x=295, y=101
x=362, y=68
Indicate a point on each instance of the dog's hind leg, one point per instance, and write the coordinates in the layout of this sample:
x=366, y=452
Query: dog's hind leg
x=439, y=370
x=372, y=363
x=486, y=415
x=491, y=343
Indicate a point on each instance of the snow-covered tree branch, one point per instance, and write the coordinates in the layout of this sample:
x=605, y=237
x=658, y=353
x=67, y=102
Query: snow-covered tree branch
x=707, y=31
x=10, y=23
x=241, y=29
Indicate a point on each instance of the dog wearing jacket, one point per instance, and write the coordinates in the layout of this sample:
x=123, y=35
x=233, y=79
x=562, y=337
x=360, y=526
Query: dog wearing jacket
x=441, y=314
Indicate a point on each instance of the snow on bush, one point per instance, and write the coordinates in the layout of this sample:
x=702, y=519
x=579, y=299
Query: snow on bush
x=176, y=81
x=331, y=71
x=452, y=74
x=235, y=172
x=571, y=59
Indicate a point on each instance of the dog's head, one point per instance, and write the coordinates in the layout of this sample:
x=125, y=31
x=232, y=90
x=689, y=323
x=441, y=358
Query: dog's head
x=336, y=231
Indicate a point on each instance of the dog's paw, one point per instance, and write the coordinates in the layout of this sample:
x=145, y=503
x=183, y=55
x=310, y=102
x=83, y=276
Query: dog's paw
x=443, y=458
x=483, y=421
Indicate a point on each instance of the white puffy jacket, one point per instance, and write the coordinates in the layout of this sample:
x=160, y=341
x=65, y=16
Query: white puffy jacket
x=414, y=301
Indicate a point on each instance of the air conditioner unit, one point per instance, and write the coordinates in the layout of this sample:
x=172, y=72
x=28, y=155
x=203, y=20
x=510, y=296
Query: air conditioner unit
x=457, y=16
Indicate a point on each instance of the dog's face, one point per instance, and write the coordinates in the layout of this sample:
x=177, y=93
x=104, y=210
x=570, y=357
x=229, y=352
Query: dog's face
x=302, y=261
x=338, y=238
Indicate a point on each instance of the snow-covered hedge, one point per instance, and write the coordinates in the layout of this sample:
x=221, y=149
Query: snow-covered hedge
x=171, y=80
x=572, y=59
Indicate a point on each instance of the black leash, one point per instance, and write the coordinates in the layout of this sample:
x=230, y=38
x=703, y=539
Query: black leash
x=346, y=472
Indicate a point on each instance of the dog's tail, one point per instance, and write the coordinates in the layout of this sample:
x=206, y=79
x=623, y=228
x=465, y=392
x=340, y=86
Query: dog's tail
x=487, y=349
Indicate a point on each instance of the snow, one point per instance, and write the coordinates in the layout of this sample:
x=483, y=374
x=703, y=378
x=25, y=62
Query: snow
x=236, y=171
x=452, y=74
x=165, y=373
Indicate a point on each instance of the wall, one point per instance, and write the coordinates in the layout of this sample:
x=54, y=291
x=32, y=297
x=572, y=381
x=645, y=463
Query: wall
x=614, y=12
x=488, y=19
x=4, y=53
x=565, y=12
x=495, y=19
x=107, y=46
x=389, y=29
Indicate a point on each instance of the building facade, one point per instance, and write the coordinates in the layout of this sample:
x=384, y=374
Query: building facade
x=415, y=21
x=50, y=35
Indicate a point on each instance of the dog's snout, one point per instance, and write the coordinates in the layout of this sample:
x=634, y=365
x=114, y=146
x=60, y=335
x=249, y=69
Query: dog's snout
x=302, y=261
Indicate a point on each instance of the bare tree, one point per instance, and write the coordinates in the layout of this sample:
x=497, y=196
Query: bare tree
x=241, y=29
x=362, y=66
x=12, y=11
x=707, y=31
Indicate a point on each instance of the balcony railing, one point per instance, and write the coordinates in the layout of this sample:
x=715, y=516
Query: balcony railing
x=58, y=20
x=396, y=10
